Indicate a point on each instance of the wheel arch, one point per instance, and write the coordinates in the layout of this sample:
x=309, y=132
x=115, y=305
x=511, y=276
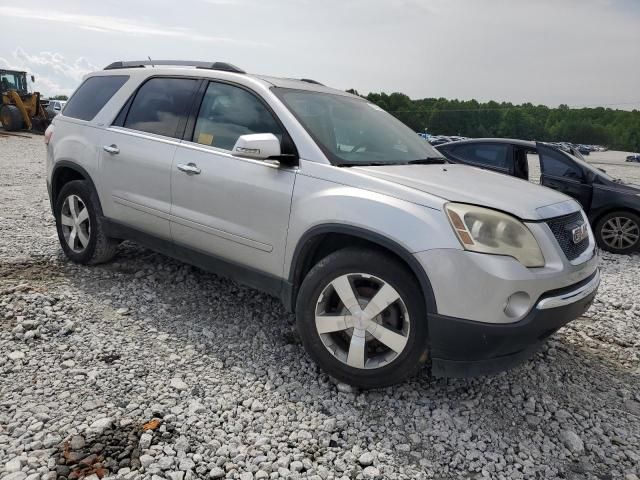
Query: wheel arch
x=64, y=172
x=595, y=218
x=322, y=240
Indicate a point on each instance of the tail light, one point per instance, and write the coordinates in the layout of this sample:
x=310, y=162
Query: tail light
x=48, y=133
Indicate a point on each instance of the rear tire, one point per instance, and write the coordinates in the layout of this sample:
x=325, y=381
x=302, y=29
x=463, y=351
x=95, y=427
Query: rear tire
x=11, y=118
x=619, y=232
x=374, y=351
x=79, y=225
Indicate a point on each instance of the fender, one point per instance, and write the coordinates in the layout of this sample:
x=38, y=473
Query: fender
x=73, y=166
x=290, y=290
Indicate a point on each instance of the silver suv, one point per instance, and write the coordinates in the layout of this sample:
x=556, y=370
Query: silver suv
x=389, y=256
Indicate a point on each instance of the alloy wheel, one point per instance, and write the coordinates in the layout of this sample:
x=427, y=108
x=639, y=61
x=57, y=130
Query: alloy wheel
x=76, y=225
x=362, y=321
x=620, y=232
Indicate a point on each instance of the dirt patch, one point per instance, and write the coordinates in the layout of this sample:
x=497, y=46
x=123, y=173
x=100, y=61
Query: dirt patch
x=105, y=453
x=30, y=270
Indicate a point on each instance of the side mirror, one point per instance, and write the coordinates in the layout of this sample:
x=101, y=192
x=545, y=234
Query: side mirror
x=259, y=146
x=33, y=79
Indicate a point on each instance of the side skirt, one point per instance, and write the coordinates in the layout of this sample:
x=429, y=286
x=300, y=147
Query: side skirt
x=264, y=282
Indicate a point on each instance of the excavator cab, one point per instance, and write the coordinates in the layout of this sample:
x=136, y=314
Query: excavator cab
x=19, y=108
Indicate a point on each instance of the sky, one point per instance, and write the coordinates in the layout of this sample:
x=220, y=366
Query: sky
x=575, y=52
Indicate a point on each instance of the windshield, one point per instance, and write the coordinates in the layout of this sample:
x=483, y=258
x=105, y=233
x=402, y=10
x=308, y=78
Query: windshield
x=13, y=81
x=352, y=131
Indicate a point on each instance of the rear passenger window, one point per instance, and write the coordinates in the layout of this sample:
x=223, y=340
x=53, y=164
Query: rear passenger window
x=555, y=164
x=92, y=95
x=489, y=155
x=161, y=106
x=227, y=112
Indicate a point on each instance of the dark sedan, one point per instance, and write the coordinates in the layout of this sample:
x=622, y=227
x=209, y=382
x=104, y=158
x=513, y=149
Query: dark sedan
x=613, y=207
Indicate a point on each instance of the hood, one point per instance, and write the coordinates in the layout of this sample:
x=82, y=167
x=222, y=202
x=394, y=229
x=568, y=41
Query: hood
x=465, y=184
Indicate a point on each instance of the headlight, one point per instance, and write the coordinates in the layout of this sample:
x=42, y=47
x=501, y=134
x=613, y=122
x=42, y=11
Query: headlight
x=489, y=231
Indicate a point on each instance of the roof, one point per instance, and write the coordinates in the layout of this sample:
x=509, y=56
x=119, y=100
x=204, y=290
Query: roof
x=222, y=70
x=508, y=141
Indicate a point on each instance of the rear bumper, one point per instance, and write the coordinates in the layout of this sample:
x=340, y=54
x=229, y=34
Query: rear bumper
x=464, y=348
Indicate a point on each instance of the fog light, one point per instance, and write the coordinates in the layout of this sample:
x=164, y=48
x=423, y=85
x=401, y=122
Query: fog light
x=517, y=305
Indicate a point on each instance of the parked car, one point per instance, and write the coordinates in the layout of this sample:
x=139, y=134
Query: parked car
x=54, y=107
x=438, y=140
x=613, y=206
x=387, y=255
x=633, y=158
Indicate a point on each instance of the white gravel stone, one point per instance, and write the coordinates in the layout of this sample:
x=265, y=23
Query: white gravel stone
x=100, y=425
x=572, y=441
x=14, y=465
x=16, y=355
x=371, y=472
x=178, y=384
x=15, y=476
x=216, y=472
x=365, y=459
x=145, y=441
x=146, y=460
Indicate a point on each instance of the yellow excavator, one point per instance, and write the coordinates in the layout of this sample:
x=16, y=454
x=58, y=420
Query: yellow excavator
x=19, y=108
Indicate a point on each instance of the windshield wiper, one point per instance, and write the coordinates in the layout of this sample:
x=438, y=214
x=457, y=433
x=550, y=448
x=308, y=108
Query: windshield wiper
x=366, y=164
x=428, y=161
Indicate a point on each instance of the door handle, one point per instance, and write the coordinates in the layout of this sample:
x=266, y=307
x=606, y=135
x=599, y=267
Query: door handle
x=189, y=168
x=112, y=149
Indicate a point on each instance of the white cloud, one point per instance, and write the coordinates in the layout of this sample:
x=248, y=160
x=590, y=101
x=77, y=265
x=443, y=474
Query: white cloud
x=54, y=74
x=109, y=24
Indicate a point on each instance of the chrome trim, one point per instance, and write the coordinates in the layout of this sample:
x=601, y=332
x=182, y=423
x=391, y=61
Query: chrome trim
x=570, y=297
x=558, y=209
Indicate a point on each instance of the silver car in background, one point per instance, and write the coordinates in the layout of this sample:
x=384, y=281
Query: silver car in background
x=388, y=255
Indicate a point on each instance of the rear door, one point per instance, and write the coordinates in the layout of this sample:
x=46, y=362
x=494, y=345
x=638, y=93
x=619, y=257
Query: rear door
x=563, y=174
x=491, y=156
x=232, y=208
x=137, y=153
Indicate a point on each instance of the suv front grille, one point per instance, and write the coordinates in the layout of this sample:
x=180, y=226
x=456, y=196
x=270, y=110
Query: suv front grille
x=562, y=229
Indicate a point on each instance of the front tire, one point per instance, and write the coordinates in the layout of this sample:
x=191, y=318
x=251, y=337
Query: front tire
x=79, y=225
x=619, y=232
x=362, y=318
x=11, y=118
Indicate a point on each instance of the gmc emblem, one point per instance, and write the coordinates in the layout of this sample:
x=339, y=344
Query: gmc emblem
x=580, y=233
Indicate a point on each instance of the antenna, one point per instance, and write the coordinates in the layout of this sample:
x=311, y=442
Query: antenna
x=151, y=61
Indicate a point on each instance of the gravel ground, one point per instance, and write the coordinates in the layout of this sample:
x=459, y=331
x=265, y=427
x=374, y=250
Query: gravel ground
x=90, y=354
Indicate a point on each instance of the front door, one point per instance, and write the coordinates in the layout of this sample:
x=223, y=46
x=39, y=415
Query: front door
x=563, y=174
x=137, y=155
x=232, y=208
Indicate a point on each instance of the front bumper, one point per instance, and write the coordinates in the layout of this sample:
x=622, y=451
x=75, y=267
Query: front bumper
x=465, y=348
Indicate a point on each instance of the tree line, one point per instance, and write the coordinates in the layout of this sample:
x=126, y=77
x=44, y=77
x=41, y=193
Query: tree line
x=616, y=129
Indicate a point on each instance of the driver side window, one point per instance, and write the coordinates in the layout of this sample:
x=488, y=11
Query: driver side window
x=227, y=112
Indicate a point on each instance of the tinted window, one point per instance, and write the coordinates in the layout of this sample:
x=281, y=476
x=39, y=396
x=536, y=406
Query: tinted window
x=555, y=164
x=161, y=106
x=92, y=95
x=227, y=112
x=490, y=155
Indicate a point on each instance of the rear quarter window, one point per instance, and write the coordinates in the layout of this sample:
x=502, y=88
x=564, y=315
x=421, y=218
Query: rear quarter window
x=92, y=95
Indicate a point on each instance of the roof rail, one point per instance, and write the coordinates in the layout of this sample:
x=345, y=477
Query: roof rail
x=308, y=80
x=223, y=66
